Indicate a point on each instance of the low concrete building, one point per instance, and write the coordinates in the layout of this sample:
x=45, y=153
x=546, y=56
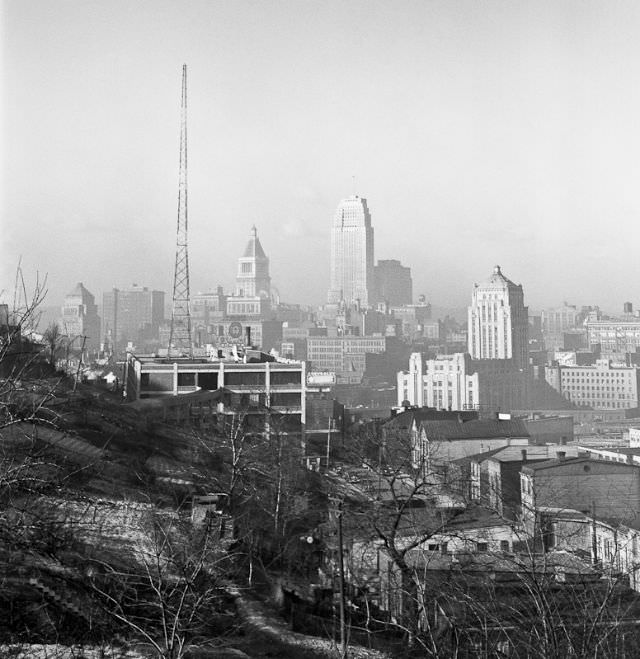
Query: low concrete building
x=258, y=384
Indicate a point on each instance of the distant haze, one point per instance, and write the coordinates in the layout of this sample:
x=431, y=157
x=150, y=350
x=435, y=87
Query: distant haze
x=481, y=133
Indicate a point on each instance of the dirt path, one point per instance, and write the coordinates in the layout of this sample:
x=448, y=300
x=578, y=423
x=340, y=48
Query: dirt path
x=280, y=641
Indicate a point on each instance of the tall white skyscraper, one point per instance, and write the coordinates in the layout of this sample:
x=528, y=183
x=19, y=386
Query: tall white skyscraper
x=352, y=274
x=499, y=321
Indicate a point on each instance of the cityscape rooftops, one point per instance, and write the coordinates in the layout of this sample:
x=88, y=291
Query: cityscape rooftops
x=474, y=429
x=563, y=462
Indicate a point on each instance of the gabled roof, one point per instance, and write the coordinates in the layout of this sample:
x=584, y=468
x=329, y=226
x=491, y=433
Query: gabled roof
x=474, y=429
x=405, y=419
x=254, y=248
x=477, y=457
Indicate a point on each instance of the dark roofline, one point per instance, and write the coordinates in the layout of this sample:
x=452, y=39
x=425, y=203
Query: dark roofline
x=557, y=462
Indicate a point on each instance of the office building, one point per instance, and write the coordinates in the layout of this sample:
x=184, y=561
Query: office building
x=615, y=336
x=394, y=286
x=351, y=267
x=599, y=386
x=446, y=382
x=345, y=356
x=556, y=321
x=80, y=318
x=457, y=382
x=207, y=309
x=494, y=375
x=132, y=315
x=498, y=321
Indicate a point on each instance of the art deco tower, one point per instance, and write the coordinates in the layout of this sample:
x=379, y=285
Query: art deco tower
x=352, y=254
x=499, y=321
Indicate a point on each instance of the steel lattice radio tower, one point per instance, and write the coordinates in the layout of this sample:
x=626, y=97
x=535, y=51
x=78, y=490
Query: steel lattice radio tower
x=180, y=337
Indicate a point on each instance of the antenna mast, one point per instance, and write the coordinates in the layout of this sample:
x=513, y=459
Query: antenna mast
x=180, y=337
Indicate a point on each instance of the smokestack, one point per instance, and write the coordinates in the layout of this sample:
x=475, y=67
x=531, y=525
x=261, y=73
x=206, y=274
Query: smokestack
x=524, y=455
x=248, y=333
x=563, y=441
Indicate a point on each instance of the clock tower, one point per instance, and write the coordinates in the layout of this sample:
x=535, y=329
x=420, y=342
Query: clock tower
x=253, y=278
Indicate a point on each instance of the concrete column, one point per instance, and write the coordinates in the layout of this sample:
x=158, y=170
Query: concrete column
x=175, y=378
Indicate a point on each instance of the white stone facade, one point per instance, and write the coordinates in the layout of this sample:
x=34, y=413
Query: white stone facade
x=352, y=268
x=498, y=321
x=443, y=383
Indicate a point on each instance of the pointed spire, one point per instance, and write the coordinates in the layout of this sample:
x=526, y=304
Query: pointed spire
x=254, y=248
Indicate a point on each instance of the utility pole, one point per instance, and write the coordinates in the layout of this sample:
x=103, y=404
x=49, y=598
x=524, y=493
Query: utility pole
x=75, y=382
x=343, y=626
x=180, y=337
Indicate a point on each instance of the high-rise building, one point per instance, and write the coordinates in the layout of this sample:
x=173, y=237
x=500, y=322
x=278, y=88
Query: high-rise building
x=134, y=314
x=352, y=270
x=498, y=321
x=555, y=322
x=253, y=278
x=393, y=283
x=252, y=295
x=80, y=317
x=494, y=376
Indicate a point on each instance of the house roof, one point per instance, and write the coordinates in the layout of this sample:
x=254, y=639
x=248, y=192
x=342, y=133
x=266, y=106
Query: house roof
x=474, y=429
x=405, y=419
x=614, y=449
x=489, y=562
x=478, y=457
x=534, y=452
x=552, y=464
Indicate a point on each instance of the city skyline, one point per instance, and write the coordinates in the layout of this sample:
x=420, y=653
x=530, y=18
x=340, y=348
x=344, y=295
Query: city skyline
x=480, y=135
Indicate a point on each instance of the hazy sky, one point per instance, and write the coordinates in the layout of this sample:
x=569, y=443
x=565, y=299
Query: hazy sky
x=480, y=132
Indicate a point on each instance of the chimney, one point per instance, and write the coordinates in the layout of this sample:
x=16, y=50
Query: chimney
x=523, y=452
x=563, y=441
x=561, y=455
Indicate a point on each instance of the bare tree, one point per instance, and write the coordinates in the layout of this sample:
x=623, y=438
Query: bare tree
x=167, y=595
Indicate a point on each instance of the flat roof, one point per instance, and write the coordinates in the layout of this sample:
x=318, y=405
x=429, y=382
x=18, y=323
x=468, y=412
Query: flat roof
x=163, y=364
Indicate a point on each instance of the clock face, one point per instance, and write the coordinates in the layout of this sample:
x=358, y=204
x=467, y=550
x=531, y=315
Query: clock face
x=235, y=330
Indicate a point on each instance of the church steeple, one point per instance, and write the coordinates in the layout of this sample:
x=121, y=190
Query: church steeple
x=253, y=278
